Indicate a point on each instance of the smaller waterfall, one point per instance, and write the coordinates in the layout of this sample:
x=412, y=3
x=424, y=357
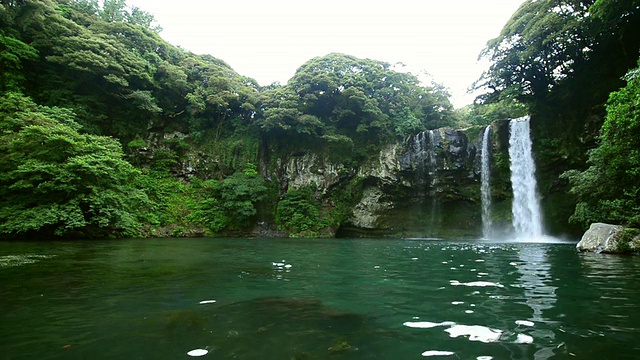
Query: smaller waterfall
x=433, y=166
x=527, y=219
x=485, y=189
x=433, y=169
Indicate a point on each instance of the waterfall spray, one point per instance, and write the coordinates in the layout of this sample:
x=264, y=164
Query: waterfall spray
x=527, y=219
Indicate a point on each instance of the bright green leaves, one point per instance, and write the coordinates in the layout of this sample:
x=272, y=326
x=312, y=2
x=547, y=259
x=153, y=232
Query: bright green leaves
x=485, y=114
x=299, y=212
x=56, y=181
x=105, y=70
x=13, y=53
x=230, y=203
x=282, y=115
x=365, y=96
x=218, y=98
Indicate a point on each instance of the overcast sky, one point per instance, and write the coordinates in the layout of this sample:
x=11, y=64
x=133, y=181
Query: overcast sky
x=269, y=39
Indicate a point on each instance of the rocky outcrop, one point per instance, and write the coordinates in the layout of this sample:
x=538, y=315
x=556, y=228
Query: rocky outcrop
x=609, y=239
x=369, y=209
x=420, y=187
x=311, y=169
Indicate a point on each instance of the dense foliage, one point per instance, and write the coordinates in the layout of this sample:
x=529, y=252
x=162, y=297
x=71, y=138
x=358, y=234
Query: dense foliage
x=549, y=43
x=562, y=58
x=609, y=190
x=55, y=180
x=350, y=106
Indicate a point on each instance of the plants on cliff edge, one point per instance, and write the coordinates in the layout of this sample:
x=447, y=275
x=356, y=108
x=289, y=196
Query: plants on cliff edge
x=299, y=211
x=608, y=191
x=230, y=203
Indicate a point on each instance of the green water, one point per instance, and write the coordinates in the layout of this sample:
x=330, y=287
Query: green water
x=315, y=299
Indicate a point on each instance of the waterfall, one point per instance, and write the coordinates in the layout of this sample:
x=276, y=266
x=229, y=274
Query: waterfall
x=527, y=219
x=485, y=189
x=433, y=166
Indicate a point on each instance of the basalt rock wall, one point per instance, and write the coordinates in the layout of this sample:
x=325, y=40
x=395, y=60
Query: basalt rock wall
x=425, y=186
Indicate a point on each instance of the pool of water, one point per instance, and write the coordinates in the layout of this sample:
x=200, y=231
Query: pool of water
x=315, y=299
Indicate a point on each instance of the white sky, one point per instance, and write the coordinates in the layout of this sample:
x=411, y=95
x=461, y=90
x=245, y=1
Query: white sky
x=269, y=39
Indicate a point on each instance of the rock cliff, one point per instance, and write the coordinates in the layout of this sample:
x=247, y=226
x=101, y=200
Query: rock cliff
x=426, y=186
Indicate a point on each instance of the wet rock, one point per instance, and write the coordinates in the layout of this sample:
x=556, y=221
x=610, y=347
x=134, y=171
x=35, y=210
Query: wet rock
x=601, y=238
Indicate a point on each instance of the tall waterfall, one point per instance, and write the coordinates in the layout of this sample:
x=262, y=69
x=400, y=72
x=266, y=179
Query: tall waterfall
x=485, y=189
x=527, y=219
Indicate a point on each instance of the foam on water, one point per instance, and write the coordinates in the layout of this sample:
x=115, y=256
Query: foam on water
x=524, y=322
x=475, y=283
x=426, y=324
x=524, y=339
x=198, y=352
x=22, y=259
x=475, y=333
x=437, y=353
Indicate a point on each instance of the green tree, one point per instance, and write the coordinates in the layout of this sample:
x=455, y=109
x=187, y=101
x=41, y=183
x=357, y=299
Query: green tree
x=485, y=114
x=551, y=46
x=358, y=104
x=298, y=211
x=230, y=203
x=609, y=191
x=367, y=97
x=113, y=10
x=13, y=53
x=56, y=181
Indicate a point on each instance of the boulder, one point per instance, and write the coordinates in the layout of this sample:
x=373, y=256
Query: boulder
x=601, y=238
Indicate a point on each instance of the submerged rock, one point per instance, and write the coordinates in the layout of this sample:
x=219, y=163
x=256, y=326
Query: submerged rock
x=609, y=239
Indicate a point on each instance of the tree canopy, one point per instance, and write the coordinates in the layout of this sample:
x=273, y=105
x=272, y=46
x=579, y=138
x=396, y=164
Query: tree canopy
x=548, y=43
x=57, y=181
x=341, y=100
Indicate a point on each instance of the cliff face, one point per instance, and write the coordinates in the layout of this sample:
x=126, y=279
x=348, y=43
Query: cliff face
x=426, y=186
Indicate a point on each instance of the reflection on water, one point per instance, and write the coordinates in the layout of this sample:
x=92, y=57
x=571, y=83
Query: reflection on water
x=540, y=295
x=21, y=259
x=316, y=299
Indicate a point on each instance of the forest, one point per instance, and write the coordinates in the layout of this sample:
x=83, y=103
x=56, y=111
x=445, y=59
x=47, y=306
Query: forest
x=107, y=130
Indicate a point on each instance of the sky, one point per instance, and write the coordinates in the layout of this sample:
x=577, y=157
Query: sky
x=268, y=40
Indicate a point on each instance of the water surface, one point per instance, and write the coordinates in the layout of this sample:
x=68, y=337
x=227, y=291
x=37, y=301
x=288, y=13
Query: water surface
x=315, y=299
